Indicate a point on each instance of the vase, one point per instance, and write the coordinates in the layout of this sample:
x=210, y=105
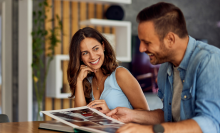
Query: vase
x=40, y=116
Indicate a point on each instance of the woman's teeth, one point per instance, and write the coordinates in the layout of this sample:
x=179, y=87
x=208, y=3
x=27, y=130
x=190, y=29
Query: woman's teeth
x=95, y=62
x=150, y=54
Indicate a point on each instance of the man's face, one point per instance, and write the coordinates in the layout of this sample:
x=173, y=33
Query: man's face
x=151, y=45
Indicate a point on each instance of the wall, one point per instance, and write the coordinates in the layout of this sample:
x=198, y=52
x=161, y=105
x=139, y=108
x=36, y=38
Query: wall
x=201, y=17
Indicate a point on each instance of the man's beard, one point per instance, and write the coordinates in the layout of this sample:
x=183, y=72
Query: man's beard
x=163, y=56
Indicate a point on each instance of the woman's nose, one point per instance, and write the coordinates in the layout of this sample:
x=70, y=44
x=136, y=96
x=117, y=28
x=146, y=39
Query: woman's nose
x=92, y=55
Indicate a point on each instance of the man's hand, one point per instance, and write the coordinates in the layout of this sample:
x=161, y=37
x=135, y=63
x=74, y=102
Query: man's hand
x=122, y=114
x=135, y=128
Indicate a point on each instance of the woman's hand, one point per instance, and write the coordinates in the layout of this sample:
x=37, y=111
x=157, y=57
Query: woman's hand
x=84, y=70
x=100, y=105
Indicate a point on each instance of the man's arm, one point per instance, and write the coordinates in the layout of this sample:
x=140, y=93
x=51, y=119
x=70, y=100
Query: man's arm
x=186, y=126
x=148, y=117
x=137, y=116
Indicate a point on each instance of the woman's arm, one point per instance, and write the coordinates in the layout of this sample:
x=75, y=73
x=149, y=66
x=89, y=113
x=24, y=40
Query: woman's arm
x=131, y=88
x=79, y=95
x=80, y=99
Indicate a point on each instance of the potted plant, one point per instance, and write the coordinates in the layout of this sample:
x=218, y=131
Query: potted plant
x=40, y=35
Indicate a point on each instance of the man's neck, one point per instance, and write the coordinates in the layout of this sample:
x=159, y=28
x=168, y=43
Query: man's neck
x=180, y=51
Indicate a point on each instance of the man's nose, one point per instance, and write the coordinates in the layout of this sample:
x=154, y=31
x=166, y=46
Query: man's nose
x=142, y=47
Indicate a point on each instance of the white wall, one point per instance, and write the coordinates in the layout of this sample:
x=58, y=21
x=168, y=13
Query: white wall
x=25, y=60
x=7, y=57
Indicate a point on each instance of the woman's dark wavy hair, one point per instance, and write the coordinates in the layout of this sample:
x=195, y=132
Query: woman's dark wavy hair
x=166, y=17
x=108, y=66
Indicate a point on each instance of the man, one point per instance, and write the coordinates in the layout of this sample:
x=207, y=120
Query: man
x=188, y=79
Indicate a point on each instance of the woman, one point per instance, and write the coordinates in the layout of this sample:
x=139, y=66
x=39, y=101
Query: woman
x=95, y=77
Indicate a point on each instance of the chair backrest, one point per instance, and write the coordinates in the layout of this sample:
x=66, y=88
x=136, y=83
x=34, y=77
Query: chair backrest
x=3, y=118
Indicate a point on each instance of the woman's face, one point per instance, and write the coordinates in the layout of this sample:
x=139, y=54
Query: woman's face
x=92, y=53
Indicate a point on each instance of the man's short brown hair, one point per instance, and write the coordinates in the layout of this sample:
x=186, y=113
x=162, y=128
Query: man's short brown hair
x=166, y=18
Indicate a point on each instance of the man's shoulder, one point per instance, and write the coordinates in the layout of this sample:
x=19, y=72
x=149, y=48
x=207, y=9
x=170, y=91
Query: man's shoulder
x=206, y=49
x=203, y=51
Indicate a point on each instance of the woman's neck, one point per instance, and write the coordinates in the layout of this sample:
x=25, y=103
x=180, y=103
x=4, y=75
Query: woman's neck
x=99, y=75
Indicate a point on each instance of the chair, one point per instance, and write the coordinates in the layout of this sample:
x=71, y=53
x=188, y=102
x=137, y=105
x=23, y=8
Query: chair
x=152, y=77
x=3, y=118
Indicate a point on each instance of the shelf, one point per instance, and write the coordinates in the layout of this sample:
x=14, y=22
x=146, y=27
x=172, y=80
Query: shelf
x=55, y=78
x=106, y=1
x=123, y=36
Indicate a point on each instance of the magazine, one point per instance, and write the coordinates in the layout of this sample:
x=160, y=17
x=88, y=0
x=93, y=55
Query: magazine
x=56, y=126
x=85, y=119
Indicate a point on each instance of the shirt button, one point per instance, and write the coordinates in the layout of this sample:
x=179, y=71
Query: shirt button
x=169, y=103
x=185, y=96
x=183, y=81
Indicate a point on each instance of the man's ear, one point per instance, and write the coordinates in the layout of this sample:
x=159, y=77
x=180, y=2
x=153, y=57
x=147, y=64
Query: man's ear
x=170, y=39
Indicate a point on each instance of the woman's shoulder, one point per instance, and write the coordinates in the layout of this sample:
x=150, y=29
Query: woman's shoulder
x=121, y=72
x=118, y=73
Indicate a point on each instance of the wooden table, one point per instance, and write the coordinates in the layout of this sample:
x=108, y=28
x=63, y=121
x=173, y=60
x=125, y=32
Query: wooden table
x=23, y=127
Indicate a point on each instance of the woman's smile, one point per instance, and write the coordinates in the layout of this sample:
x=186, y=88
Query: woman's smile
x=95, y=62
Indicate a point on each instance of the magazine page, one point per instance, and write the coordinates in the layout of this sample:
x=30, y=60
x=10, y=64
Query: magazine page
x=82, y=116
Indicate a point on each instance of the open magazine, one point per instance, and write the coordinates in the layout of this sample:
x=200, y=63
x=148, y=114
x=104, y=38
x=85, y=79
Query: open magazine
x=85, y=119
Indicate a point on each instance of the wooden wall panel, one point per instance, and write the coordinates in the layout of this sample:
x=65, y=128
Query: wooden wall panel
x=66, y=26
x=57, y=11
x=106, y=29
x=48, y=25
x=82, y=13
x=75, y=16
x=66, y=42
x=91, y=12
x=99, y=15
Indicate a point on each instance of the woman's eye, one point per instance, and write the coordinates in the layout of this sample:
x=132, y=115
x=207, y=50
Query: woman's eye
x=96, y=49
x=84, y=53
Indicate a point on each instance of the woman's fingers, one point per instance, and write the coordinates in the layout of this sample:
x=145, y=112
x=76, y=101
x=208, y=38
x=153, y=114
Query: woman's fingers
x=102, y=107
x=99, y=104
x=85, y=68
x=91, y=104
x=84, y=72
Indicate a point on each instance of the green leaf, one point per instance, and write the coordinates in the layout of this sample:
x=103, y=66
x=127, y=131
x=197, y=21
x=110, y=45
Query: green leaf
x=40, y=5
x=51, y=20
x=34, y=13
x=39, y=13
x=35, y=21
x=45, y=3
x=57, y=16
x=32, y=33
